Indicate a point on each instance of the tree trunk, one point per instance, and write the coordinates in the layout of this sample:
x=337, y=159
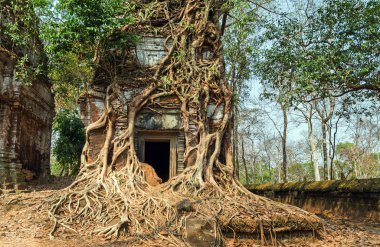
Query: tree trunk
x=330, y=161
x=235, y=145
x=61, y=172
x=313, y=148
x=332, y=138
x=228, y=152
x=324, y=117
x=244, y=161
x=324, y=152
x=235, y=142
x=283, y=142
x=253, y=161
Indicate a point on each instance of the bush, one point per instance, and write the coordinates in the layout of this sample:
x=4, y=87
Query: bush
x=68, y=142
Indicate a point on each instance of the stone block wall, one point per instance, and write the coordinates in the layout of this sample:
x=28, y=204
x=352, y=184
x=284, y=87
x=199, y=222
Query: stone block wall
x=26, y=114
x=351, y=199
x=161, y=118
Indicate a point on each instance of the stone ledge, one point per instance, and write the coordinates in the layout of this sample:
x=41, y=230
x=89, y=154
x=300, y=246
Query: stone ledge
x=351, y=199
x=355, y=185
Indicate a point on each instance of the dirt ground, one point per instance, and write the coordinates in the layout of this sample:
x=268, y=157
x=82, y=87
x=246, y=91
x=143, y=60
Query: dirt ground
x=24, y=222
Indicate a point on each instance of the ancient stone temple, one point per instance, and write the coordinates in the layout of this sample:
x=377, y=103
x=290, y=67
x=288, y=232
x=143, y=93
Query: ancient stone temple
x=161, y=101
x=159, y=137
x=26, y=114
x=27, y=104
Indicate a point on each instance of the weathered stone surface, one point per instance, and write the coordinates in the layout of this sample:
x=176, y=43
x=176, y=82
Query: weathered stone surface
x=184, y=206
x=91, y=106
x=154, y=121
x=215, y=112
x=200, y=232
x=357, y=199
x=150, y=50
x=160, y=118
x=26, y=114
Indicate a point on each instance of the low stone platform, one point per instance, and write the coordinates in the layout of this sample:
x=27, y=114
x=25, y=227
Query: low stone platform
x=357, y=199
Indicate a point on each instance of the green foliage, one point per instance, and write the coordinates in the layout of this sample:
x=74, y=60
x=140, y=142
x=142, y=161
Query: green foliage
x=70, y=76
x=67, y=148
x=343, y=148
x=332, y=50
x=301, y=172
x=19, y=29
x=262, y=175
x=239, y=46
x=78, y=26
x=76, y=34
x=19, y=35
x=55, y=168
x=354, y=161
x=343, y=169
x=26, y=73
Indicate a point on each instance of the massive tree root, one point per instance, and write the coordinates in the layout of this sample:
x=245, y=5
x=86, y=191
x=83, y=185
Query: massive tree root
x=110, y=196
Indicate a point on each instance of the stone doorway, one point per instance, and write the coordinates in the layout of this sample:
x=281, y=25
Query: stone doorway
x=157, y=154
x=159, y=151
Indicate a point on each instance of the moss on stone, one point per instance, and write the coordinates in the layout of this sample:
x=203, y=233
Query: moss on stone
x=357, y=185
x=360, y=185
x=292, y=186
x=265, y=186
x=322, y=186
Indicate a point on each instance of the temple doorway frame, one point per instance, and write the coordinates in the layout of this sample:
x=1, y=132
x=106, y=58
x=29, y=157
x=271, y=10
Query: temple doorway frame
x=159, y=136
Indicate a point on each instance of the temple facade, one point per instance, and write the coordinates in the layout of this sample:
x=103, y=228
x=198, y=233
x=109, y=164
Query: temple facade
x=159, y=136
x=26, y=114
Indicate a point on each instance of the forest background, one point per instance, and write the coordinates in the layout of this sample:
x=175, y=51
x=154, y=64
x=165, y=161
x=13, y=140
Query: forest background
x=305, y=77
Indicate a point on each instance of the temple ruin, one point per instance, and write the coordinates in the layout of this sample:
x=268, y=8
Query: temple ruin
x=162, y=98
x=26, y=114
x=159, y=136
x=26, y=100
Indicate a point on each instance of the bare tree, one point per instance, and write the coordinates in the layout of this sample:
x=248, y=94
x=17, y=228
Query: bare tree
x=283, y=135
x=325, y=111
x=332, y=136
x=284, y=110
x=244, y=161
x=307, y=114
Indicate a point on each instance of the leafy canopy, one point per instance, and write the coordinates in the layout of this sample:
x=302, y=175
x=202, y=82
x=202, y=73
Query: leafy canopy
x=19, y=38
x=82, y=26
x=76, y=33
x=333, y=50
x=239, y=45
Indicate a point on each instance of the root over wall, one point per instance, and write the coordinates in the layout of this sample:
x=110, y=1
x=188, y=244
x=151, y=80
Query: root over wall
x=110, y=196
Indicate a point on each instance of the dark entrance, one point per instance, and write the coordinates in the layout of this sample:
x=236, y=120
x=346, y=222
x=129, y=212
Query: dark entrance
x=157, y=154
